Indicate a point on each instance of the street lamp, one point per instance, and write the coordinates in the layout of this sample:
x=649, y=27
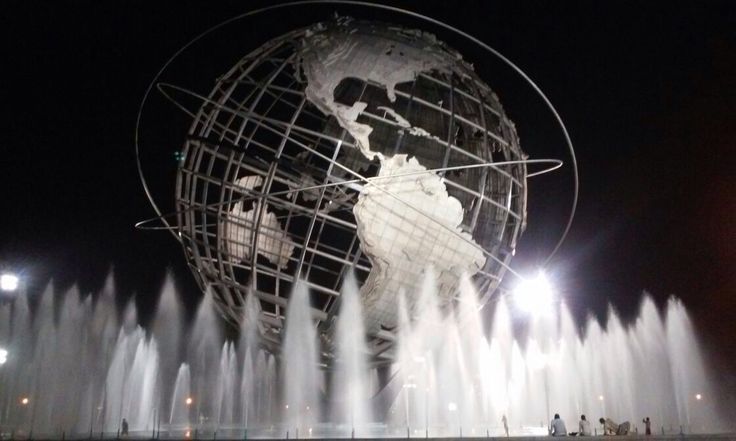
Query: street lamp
x=3, y=356
x=24, y=401
x=452, y=407
x=406, y=387
x=535, y=295
x=601, y=398
x=9, y=282
x=189, y=401
x=697, y=412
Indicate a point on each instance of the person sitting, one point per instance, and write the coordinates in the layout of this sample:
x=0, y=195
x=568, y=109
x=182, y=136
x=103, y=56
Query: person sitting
x=611, y=428
x=584, y=426
x=557, y=426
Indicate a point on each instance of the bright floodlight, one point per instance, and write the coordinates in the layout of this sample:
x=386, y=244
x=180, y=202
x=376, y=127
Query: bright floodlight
x=3, y=356
x=452, y=407
x=8, y=282
x=535, y=295
x=698, y=397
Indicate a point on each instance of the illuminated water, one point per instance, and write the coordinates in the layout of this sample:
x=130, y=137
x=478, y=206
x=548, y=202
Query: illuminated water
x=456, y=371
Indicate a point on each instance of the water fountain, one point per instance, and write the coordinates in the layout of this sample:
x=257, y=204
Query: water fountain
x=75, y=369
x=351, y=393
x=300, y=375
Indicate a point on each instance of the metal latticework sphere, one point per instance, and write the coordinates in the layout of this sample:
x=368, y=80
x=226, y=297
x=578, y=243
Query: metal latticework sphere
x=349, y=146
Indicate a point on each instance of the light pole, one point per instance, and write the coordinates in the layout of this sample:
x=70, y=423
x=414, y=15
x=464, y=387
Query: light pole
x=24, y=401
x=9, y=283
x=546, y=392
x=426, y=411
x=406, y=387
x=698, y=413
x=3, y=360
x=536, y=296
x=452, y=407
x=188, y=401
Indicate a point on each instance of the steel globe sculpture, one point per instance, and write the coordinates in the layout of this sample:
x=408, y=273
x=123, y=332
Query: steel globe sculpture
x=348, y=147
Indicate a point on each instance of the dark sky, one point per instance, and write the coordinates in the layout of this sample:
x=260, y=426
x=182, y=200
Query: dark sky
x=647, y=90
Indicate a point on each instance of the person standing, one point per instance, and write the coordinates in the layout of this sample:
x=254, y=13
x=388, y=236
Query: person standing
x=124, y=427
x=557, y=426
x=647, y=426
x=584, y=426
x=505, y=424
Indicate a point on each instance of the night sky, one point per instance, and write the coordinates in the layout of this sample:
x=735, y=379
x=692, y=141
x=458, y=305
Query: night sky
x=647, y=90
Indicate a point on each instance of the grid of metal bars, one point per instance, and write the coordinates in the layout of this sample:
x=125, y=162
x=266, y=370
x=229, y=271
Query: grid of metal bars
x=258, y=122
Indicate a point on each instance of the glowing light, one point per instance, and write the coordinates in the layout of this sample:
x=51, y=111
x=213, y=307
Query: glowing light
x=3, y=356
x=535, y=296
x=9, y=282
x=698, y=397
x=286, y=406
x=189, y=401
x=188, y=434
x=451, y=407
x=600, y=397
x=24, y=401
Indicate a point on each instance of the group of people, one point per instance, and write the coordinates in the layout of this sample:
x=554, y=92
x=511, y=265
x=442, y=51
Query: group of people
x=557, y=427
